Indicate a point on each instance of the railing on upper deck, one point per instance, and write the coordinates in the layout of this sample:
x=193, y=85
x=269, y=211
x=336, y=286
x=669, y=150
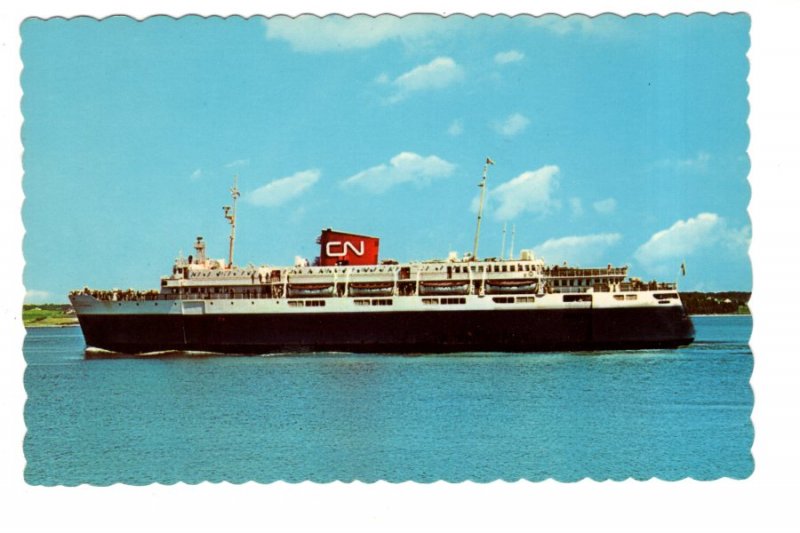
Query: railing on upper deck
x=574, y=272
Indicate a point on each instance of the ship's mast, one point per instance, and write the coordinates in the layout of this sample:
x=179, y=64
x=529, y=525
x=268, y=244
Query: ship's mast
x=230, y=214
x=503, y=246
x=482, y=185
x=513, y=232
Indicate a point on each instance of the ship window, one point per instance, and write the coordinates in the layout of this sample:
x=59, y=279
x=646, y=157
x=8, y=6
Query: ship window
x=666, y=296
x=577, y=297
x=503, y=299
x=619, y=296
x=382, y=302
x=526, y=299
x=454, y=301
x=430, y=301
x=315, y=303
x=631, y=296
x=295, y=303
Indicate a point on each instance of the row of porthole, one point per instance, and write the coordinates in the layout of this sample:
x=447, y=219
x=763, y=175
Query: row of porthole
x=226, y=274
x=176, y=303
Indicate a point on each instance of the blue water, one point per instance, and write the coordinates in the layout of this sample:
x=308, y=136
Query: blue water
x=669, y=414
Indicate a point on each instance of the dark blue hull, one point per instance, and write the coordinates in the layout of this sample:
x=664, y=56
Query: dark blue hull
x=394, y=332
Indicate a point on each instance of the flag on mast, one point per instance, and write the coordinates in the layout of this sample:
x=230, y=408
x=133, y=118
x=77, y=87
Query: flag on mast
x=683, y=268
x=489, y=161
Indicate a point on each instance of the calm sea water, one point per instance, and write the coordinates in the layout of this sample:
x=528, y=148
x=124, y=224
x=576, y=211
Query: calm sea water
x=610, y=415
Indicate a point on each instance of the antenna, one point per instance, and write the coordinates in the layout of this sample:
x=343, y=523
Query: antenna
x=482, y=185
x=230, y=214
x=503, y=247
x=513, y=231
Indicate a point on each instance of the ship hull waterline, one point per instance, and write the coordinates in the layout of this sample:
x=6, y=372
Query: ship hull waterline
x=392, y=332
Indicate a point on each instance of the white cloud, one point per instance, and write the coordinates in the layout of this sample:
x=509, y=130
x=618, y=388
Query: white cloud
x=511, y=56
x=605, y=207
x=456, y=128
x=586, y=250
x=738, y=239
x=685, y=237
x=600, y=26
x=405, y=167
x=33, y=296
x=282, y=190
x=512, y=125
x=530, y=192
x=437, y=74
x=576, y=205
x=309, y=33
x=238, y=163
x=698, y=163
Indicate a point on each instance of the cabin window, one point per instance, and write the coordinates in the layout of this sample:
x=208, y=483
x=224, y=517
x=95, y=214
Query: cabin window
x=430, y=301
x=315, y=303
x=454, y=301
x=386, y=301
x=525, y=299
x=295, y=303
x=577, y=298
x=619, y=296
x=503, y=299
x=361, y=302
x=631, y=296
x=666, y=296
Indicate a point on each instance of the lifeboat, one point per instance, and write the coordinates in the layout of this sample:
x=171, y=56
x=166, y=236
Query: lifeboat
x=444, y=287
x=385, y=288
x=305, y=290
x=510, y=286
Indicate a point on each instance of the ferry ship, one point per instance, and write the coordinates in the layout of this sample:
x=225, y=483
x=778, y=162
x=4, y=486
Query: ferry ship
x=348, y=300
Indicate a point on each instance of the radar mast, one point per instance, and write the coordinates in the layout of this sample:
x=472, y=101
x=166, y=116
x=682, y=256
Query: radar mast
x=482, y=185
x=230, y=214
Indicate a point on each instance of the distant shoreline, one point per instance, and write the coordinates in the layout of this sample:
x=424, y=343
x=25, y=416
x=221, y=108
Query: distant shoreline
x=34, y=325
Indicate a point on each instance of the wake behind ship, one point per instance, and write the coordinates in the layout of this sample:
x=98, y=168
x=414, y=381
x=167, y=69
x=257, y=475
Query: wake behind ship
x=350, y=301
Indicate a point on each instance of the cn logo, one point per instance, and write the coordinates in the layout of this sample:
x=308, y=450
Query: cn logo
x=339, y=248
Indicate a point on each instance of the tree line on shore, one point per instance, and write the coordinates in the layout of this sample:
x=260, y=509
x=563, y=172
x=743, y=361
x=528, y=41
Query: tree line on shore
x=716, y=303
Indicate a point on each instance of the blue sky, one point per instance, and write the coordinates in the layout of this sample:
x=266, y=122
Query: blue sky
x=615, y=140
